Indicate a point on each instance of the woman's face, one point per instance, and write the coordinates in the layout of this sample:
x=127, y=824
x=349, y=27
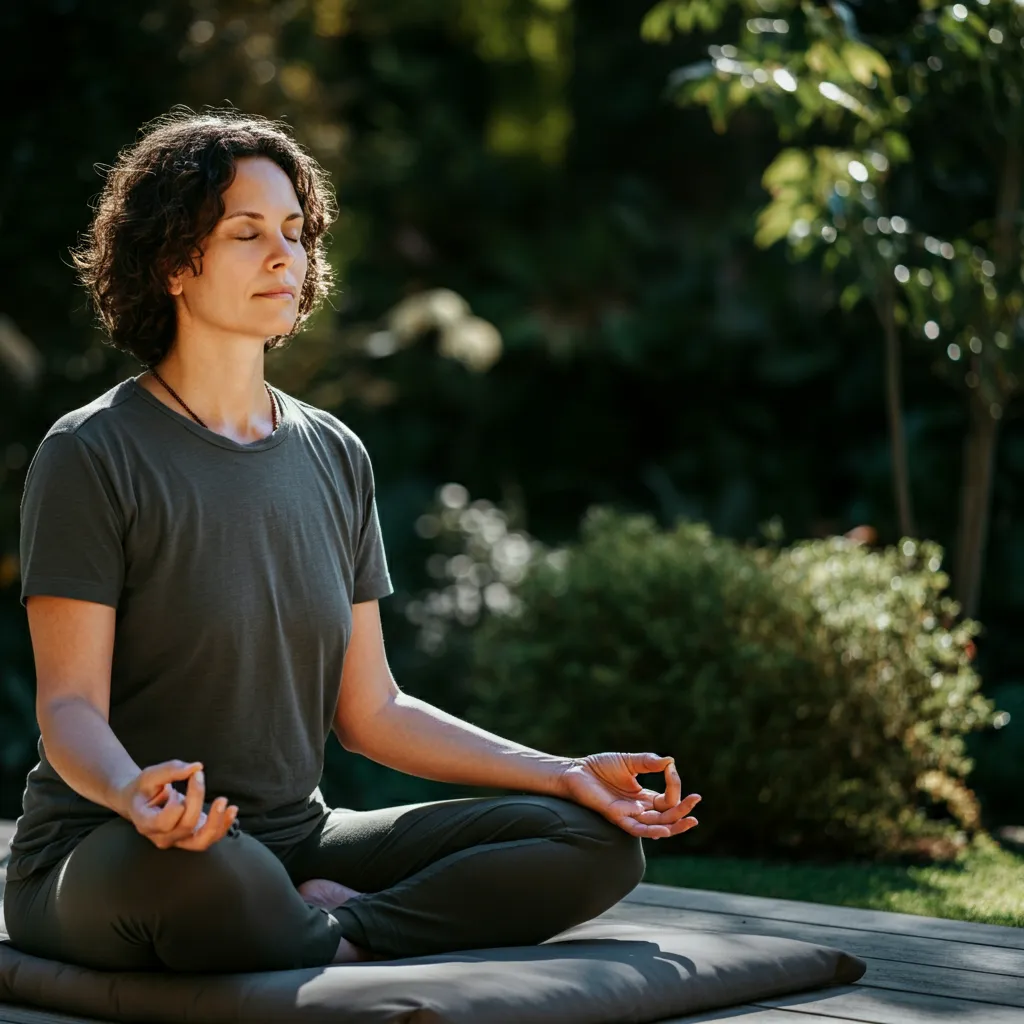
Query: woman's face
x=254, y=249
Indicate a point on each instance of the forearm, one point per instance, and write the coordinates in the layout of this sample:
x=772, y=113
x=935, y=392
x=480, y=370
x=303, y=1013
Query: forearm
x=419, y=739
x=84, y=751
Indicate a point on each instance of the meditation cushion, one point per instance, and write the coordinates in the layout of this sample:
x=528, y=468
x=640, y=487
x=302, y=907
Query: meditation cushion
x=595, y=972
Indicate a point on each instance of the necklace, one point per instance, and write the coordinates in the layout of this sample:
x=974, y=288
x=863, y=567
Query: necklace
x=273, y=401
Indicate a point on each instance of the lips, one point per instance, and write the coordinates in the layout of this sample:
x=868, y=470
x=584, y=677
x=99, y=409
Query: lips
x=278, y=293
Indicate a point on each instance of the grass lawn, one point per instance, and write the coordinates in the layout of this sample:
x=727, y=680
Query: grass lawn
x=985, y=883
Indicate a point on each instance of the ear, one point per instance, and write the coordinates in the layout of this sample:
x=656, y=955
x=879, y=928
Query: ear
x=174, y=285
x=174, y=281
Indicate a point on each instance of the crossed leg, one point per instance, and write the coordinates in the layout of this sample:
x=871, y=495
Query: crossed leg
x=429, y=878
x=468, y=873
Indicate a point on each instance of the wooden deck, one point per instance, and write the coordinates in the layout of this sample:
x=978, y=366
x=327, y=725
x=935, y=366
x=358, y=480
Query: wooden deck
x=921, y=970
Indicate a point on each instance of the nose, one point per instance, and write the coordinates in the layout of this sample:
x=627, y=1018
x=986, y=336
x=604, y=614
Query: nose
x=283, y=252
x=281, y=258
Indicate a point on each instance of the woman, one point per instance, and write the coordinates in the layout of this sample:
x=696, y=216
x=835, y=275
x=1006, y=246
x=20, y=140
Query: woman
x=201, y=566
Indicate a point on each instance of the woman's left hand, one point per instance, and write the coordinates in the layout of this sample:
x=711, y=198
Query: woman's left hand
x=607, y=784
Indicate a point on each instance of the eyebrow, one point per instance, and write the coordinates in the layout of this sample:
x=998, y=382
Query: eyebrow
x=256, y=215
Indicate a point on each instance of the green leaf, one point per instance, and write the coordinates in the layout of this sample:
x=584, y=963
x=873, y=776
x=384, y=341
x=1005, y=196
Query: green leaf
x=897, y=147
x=822, y=58
x=851, y=295
x=774, y=222
x=942, y=290
x=864, y=62
x=657, y=24
x=737, y=94
x=791, y=166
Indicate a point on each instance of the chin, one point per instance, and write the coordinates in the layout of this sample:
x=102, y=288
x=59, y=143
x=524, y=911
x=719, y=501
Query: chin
x=275, y=325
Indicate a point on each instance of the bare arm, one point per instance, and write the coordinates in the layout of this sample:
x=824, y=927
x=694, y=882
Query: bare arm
x=376, y=719
x=72, y=643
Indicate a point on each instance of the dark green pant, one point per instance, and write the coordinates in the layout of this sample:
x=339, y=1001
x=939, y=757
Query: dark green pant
x=435, y=877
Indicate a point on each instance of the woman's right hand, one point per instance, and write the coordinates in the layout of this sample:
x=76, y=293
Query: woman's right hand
x=181, y=820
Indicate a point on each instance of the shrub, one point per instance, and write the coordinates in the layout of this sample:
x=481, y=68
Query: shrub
x=999, y=757
x=816, y=696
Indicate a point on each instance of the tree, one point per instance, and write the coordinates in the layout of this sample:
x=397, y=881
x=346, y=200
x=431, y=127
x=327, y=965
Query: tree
x=934, y=243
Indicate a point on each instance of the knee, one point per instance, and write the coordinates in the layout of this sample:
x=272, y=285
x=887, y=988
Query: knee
x=173, y=879
x=234, y=908
x=614, y=860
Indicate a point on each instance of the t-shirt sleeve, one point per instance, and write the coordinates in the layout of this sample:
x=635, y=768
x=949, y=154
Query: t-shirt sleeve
x=371, y=578
x=71, y=542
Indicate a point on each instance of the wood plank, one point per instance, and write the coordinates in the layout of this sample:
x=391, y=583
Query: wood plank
x=745, y=1014
x=823, y=913
x=900, y=948
x=999, y=989
x=885, y=1006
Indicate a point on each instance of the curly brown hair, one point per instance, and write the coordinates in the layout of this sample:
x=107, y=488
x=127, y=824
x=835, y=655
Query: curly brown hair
x=163, y=197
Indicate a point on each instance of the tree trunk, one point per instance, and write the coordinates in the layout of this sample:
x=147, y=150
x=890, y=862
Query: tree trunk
x=975, y=499
x=897, y=434
x=983, y=428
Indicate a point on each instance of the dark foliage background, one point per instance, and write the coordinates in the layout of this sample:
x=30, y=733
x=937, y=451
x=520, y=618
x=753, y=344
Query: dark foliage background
x=524, y=155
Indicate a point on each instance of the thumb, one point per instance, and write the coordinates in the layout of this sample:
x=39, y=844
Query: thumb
x=649, y=762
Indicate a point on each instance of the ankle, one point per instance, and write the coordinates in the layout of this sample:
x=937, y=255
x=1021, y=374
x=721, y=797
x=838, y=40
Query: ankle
x=347, y=952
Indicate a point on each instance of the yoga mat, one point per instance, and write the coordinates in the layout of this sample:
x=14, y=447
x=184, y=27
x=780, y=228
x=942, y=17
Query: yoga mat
x=598, y=972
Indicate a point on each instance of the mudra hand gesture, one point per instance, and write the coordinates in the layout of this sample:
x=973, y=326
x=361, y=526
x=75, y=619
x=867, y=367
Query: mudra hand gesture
x=607, y=784
x=166, y=817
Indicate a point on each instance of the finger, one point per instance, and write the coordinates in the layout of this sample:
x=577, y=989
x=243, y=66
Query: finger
x=683, y=825
x=193, y=802
x=647, y=762
x=188, y=840
x=632, y=826
x=673, y=787
x=214, y=827
x=170, y=771
x=653, y=831
x=645, y=829
x=680, y=807
x=170, y=814
x=659, y=831
x=668, y=816
x=186, y=832
x=161, y=794
x=650, y=800
x=163, y=797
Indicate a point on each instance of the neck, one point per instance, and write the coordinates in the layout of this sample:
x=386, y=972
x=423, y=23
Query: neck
x=223, y=385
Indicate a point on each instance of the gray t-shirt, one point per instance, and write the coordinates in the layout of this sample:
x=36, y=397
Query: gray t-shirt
x=233, y=568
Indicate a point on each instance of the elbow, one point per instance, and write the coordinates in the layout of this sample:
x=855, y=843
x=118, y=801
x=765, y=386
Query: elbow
x=360, y=735
x=346, y=743
x=46, y=709
x=51, y=714
x=348, y=738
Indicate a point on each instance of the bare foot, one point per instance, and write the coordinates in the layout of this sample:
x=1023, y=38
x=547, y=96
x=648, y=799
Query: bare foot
x=326, y=894
x=348, y=953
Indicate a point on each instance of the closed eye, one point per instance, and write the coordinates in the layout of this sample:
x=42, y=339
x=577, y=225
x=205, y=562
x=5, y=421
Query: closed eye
x=249, y=238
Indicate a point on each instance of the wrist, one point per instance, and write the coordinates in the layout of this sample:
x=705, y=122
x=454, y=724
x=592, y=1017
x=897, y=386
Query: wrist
x=559, y=785
x=119, y=799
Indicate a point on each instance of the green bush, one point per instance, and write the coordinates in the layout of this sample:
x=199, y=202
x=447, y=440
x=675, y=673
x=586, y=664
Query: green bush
x=999, y=758
x=816, y=697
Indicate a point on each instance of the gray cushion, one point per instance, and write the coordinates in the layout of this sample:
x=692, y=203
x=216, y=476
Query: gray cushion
x=599, y=971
